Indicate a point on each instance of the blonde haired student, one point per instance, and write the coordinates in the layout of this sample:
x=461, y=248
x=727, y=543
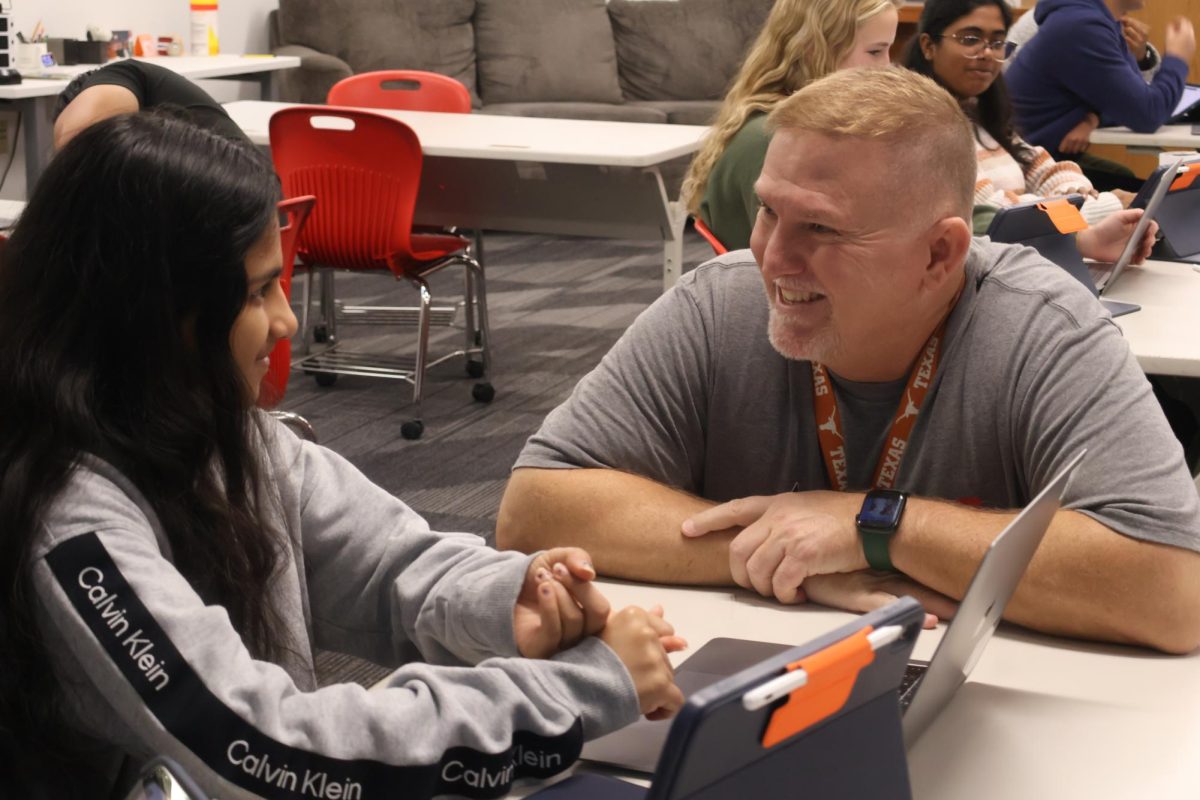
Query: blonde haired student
x=802, y=40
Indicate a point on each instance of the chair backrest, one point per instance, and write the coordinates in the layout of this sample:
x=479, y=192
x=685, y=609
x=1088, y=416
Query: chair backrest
x=295, y=212
x=401, y=89
x=709, y=236
x=363, y=168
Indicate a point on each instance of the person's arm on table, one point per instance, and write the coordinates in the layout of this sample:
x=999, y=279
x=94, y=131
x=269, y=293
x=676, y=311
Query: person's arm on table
x=630, y=524
x=1085, y=580
x=634, y=529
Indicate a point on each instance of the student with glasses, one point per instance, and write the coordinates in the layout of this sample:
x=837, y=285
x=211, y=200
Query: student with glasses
x=961, y=44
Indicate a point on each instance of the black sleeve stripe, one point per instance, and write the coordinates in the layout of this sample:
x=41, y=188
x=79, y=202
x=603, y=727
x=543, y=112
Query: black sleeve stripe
x=237, y=750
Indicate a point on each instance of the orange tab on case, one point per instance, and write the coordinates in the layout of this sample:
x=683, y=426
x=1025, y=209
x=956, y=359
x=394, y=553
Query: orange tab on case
x=831, y=676
x=1064, y=215
x=1184, y=178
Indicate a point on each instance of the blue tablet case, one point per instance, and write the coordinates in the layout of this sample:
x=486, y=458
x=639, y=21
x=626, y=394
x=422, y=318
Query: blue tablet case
x=716, y=751
x=1177, y=217
x=1027, y=223
x=1030, y=224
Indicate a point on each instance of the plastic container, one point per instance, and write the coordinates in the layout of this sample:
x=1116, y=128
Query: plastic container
x=205, y=41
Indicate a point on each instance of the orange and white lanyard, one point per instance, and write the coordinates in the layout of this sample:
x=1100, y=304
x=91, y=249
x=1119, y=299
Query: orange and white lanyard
x=829, y=420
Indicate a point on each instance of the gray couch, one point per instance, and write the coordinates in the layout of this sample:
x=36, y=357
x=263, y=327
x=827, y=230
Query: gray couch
x=630, y=60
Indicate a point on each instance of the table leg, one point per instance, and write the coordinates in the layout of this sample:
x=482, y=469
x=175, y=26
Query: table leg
x=39, y=137
x=673, y=247
x=268, y=85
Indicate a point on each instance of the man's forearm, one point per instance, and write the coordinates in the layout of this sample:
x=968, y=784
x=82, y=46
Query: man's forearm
x=629, y=524
x=1084, y=581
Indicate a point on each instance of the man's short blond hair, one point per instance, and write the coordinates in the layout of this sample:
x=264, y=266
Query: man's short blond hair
x=933, y=139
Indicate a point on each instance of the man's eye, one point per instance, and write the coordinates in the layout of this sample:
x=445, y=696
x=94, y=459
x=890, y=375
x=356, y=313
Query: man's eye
x=766, y=209
x=817, y=227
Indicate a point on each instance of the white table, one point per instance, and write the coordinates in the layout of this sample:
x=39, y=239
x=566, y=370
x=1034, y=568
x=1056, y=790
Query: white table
x=1040, y=717
x=1172, y=136
x=35, y=96
x=561, y=176
x=1165, y=334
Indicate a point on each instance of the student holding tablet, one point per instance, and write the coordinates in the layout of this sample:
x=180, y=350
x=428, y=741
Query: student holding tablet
x=961, y=44
x=170, y=557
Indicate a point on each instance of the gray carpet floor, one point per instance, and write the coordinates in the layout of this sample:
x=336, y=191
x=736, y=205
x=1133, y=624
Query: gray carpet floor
x=556, y=305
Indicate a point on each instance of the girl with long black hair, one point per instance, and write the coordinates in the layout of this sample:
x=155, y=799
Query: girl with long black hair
x=170, y=557
x=961, y=45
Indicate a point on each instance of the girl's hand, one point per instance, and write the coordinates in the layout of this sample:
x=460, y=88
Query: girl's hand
x=558, y=604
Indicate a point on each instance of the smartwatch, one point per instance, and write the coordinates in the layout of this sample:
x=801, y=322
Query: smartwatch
x=877, y=520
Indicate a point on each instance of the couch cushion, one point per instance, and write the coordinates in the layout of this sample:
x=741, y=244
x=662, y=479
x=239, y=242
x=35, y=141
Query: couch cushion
x=433, y=35
x=616, y=112
x=683, y=112
x=683, y=49
x=545, y=50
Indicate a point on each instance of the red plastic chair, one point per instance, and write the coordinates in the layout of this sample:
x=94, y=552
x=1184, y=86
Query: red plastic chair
x=296, y=212
x=709, y=236
x=407, y=90
x=365, y=170
x=402, y=89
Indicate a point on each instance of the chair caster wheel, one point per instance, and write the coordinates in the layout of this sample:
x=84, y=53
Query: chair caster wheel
x=325, y=379
x=412, y=429
x=483, y=392
x=475, y=369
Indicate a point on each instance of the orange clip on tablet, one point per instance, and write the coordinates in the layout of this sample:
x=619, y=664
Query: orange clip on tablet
x=1064, y=215
x=831, y=676
x=1185, y=177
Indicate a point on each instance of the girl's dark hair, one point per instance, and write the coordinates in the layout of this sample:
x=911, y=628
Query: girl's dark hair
x=993, y=109
x=118, y=291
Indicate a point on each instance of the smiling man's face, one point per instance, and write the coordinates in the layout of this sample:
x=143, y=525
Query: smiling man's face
x=842, y=258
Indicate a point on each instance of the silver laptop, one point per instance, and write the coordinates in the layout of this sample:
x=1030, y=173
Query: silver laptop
x=928, y=686
x=1105, y=275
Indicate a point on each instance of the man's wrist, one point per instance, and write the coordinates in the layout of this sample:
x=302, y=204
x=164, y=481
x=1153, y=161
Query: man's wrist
x=877, y=521
x=1150, y=60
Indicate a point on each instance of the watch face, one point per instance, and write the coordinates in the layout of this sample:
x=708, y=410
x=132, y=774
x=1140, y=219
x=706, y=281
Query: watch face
x=881, y=510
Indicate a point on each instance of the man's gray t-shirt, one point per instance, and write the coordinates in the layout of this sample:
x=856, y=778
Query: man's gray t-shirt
x=1033, y=369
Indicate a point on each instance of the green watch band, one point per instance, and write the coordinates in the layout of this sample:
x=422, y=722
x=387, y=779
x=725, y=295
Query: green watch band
x=875, y=548
x=877, y=522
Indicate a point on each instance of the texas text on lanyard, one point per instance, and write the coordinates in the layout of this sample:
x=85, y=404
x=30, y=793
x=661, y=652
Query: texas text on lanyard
x=829, y=419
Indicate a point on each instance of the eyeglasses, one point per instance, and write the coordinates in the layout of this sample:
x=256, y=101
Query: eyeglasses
x=977, y=46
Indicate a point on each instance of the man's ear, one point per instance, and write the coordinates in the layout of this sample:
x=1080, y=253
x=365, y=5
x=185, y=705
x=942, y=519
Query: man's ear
x=949, y=241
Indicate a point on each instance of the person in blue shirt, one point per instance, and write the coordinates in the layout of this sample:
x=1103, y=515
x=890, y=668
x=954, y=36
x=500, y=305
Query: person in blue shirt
x=1079, y=64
